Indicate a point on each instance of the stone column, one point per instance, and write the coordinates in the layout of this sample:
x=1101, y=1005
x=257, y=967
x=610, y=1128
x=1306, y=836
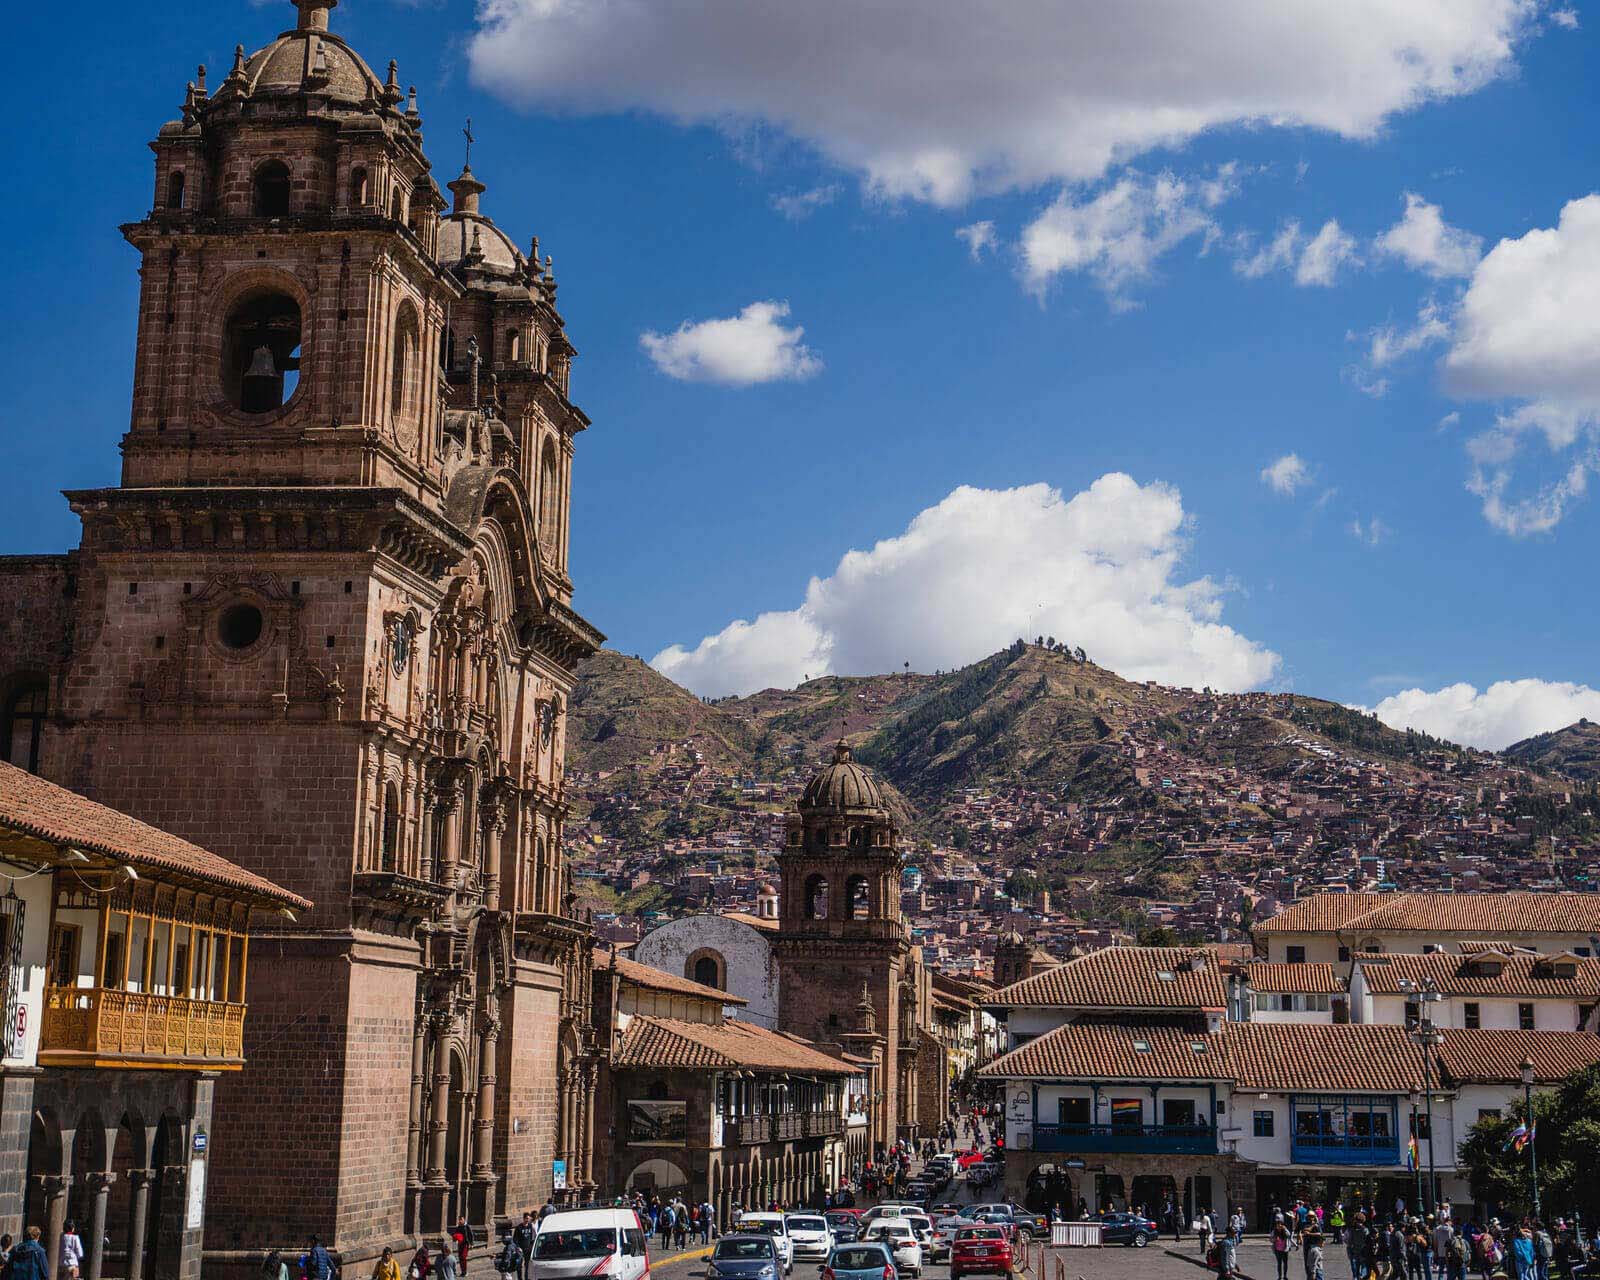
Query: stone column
x=138, y=1220
x=101, y=1185
x=419, y=1034
x=484, y=1119
x=439, y=1109
x=493, y=806
x=55, y=1195
x=590, y=1075
x=449, y=852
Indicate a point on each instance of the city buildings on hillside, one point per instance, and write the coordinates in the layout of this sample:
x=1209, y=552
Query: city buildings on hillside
x=124, y=954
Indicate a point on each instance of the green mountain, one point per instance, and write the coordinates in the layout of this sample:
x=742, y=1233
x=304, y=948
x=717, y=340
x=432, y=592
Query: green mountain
x=1573, y=751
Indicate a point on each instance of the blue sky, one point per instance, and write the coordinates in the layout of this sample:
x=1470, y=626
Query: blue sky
x=1140, y=305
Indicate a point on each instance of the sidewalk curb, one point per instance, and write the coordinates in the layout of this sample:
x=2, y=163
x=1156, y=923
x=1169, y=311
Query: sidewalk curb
x=1201, y=1263
x=687, y=1256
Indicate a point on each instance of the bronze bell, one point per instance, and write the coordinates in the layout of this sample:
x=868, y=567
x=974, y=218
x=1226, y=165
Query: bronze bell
x=261, y=365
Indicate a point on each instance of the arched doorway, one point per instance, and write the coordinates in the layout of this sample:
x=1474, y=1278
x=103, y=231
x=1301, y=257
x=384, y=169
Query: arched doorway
x=1051, y=1187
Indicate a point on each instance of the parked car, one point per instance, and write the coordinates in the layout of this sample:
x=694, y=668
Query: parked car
x=1028, y=1221
x=744, y=1257
x=967, y=1159
x=983, y=1250
x=590, y=1242
x=902, y=1240
x=845, y=1225
x=1127, y=1228
x=769, y=1224
x=863, y=1260
x=810, y=1234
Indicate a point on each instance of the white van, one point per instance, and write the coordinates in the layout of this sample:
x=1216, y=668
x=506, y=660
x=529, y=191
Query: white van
x=591, y=1242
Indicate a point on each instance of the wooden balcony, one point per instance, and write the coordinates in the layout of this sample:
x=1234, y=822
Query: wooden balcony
x=93, y=1027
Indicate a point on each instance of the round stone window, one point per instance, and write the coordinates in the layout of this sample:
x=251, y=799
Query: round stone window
x=240, y=625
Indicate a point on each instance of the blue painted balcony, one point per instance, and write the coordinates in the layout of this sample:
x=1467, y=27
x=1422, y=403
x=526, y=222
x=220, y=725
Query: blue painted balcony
x=1344, y=1148
x=1127, y=1139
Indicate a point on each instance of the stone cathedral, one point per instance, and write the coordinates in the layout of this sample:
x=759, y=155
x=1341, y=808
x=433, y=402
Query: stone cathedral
x=324, y=627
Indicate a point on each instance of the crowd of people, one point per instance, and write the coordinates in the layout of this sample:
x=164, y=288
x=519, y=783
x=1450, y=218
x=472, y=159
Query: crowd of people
x=1402, y=1245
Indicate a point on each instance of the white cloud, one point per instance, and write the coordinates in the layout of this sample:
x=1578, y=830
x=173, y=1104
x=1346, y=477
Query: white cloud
x=1286, y=475
x=979, y=237
x=1278, y=254
x=800, y=205
x=1369, y=533
x=1567, y=18
x=1527, y=332
x=935, y=99
x=1425, y=242
x=1386, y=343
x=1314, y=261
x=1119, y=235
x=737, y=351
x=1331, y=248
x=984, y=566
x=1506, y=712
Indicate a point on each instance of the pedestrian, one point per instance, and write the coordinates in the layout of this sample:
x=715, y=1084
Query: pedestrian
x=706, y=1215
x=316, y=1264
x=1522, y=1253
x=509, y=1261
x=421, y=1263
x=444, y=1267
x=28, y=1260
x=71, y=1254
x=462, y=1235
x=1314, y=1255
x=1355, y=1247
x=523, y=1233
x=548, y=1209
x=1281, y=1244
x=1227, y=1257
x=680, y=1225
x=664, y=1226
x=386, y=1268
x=1443, y=1237
x=1543, y=1250
x=5, y=1251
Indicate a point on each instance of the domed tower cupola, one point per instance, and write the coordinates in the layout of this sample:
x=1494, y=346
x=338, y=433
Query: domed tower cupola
x=841, y=857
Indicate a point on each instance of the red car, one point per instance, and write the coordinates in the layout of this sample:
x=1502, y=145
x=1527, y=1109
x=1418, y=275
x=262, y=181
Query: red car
x=967, y=1159
x=980, y=1251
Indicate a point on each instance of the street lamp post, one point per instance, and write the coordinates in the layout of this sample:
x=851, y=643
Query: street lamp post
x=1416, y=1165
x=1527, y=1119
x=1427, y=1036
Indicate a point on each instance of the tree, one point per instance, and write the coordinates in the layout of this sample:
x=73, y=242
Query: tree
x=1566, y=1136
x=1165, y=936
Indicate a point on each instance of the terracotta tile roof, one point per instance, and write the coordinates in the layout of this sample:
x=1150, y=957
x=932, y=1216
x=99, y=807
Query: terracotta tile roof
x=726, y=1046
x=1099, y=1052
x=1521, y=974
x=1315, y=979
x=1125, y=978
x=1321, y=913
x=1281, y=1057
x=37, y=808
x=642, y=975
x=755, y=922
x=1495, y=1057
x=1482, y=915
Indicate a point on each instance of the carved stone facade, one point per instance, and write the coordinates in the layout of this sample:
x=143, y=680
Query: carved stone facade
x=324, y=627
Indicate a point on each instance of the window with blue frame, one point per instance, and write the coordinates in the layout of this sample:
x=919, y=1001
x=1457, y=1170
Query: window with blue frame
x=1262, y=1124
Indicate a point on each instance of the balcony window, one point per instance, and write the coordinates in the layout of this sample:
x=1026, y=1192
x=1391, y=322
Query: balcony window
x=1261, y=1124
x=1472, y=1015
x=1074, y=1112
x=1295, y=955
x=1525, y=1017
x=143, y=974
x=1126, y=1113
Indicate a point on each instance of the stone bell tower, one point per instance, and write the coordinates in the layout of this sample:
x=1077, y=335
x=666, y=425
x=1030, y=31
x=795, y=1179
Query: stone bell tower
x=842, y=943
x=324, y=627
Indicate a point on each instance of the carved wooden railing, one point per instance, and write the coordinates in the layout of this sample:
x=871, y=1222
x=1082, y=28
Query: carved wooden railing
x=91, y=1023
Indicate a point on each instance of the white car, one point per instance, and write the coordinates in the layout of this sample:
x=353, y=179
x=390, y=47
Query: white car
x=810, y=1234
x=890, y=1209
x=770, y=1224
x=590, y=1242
x=901, y=1237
